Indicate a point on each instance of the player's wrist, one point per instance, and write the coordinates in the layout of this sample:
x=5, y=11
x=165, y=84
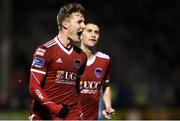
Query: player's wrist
x=108, y=107
x=54, y=108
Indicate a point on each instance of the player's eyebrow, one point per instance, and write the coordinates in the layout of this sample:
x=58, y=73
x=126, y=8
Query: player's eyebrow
x=89, y=30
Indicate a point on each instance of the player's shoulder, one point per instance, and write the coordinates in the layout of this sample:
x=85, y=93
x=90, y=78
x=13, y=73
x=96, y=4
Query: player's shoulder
x=44, y=47
x=102, y=55
x=48, y=44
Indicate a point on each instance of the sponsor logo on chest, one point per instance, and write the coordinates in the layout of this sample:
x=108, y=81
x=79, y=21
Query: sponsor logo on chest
x=90, y=87
x=67, y=77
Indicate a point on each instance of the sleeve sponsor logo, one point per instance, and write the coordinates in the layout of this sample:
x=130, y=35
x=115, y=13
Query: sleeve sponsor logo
x=38, y=62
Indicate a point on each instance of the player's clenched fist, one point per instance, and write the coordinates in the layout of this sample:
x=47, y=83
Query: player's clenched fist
x=64, y=111
x=108, y=113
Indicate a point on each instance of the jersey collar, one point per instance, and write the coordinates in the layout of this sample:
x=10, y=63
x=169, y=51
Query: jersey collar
x=62, y=47
x=91, y=60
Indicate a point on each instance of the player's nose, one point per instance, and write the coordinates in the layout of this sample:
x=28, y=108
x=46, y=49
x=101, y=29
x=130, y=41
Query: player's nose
x=83, y=26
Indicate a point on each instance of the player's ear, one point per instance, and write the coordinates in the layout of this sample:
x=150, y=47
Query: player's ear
x=64, y=24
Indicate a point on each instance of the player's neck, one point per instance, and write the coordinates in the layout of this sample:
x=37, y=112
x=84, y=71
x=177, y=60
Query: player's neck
x=89, y=51
x=64, y=40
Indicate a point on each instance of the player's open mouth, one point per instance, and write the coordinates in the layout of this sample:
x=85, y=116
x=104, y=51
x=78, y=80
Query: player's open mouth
x=79, y=33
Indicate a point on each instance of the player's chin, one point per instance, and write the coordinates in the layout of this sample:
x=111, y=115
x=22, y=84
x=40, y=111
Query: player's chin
x=77, y=40
x=91, y=44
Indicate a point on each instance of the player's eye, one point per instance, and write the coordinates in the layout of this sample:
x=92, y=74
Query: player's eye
x=80, y=21
x=97, y=32
x=89, y=30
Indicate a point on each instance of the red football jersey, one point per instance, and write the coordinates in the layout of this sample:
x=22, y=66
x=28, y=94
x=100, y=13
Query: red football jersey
x=96, y=74
x=60, y=67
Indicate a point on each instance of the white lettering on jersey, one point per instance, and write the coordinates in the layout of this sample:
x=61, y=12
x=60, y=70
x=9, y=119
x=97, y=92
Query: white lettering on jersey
x=91, y=84
x=87, y=91
x=90, y=87
x=66, y=77
x=39, y=94
x=70, y=75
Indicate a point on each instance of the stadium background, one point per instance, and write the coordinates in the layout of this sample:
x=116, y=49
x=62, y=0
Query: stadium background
x=141, y=36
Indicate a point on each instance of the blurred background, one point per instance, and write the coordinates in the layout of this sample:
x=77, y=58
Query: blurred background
x=141, y=37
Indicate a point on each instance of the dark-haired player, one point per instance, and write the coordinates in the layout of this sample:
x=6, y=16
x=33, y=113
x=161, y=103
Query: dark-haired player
x=95, y=77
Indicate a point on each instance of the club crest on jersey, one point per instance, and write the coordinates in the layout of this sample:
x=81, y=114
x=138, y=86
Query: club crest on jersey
x=98, y=72
x=38, y=62
x=77, y=63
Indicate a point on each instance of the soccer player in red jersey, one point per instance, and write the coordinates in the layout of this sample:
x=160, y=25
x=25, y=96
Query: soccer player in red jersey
x=55, y=69
x=95, y=77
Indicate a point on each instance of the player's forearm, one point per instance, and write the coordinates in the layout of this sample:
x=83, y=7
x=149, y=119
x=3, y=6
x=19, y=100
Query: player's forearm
x=38, y=94
x=35, y=89
x=107, y=97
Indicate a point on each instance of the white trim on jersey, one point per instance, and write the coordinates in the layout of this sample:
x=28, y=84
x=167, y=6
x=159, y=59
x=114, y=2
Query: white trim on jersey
x=41, y=50
x=36, y=78
x=49, y=43
x=47, y=103
x=98, y=54
x=62, y=47
x=102, y=55
x=38, y=71
x=91, y=60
